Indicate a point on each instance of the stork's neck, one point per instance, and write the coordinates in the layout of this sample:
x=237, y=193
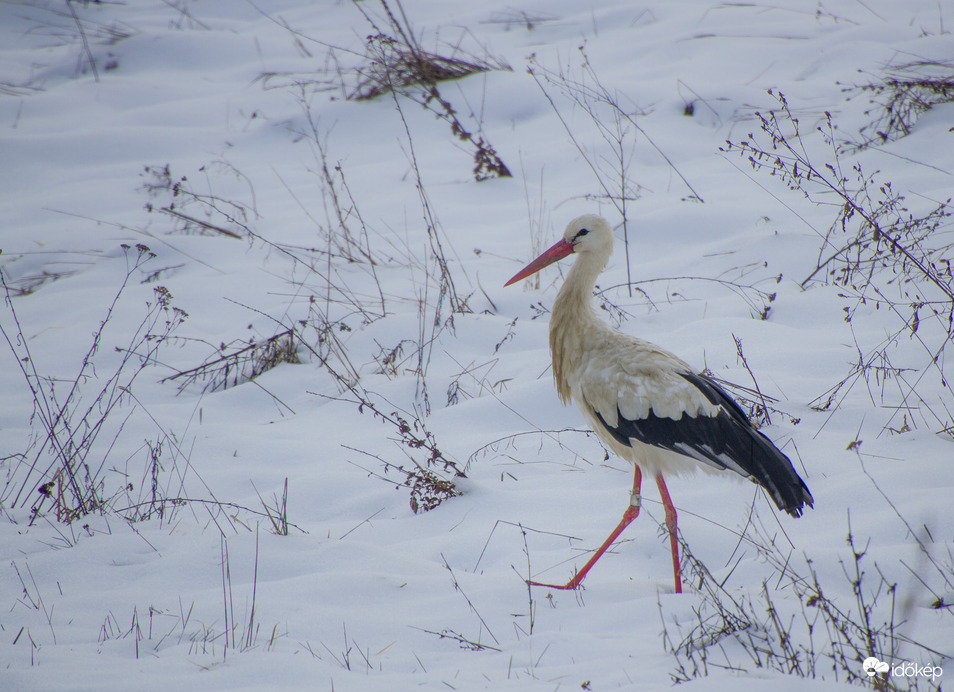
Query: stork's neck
x=572, y=320
x=575, y=297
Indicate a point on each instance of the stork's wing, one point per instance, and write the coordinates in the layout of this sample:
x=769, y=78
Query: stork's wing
x=707, y=426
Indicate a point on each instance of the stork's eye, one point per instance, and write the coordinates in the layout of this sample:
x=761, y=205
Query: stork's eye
x=580, y=233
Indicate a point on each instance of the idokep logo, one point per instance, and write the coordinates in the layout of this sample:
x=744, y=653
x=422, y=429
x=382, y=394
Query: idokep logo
x=872, y=666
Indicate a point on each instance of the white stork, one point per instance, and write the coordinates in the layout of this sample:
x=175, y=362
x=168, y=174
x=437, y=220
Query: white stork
x=646, y=405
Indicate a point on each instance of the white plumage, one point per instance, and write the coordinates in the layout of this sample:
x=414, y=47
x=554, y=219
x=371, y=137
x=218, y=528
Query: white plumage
x=646, y=405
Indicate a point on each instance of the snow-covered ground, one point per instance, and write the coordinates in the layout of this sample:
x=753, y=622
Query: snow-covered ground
x=218, y=136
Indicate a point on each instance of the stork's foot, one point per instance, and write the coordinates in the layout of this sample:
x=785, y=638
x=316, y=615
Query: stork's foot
x=628, y=516
x=571, y=585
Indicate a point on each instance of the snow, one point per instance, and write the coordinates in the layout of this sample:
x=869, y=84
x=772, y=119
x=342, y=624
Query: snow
x=364, y=594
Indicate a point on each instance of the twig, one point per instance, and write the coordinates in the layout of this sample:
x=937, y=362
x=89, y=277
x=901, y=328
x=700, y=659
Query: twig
x=745, y=364
x=469, y=603
x=89, y=54
x=199, y=222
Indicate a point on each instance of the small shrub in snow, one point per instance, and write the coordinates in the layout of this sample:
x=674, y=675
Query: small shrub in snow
x=879, y=255
x=64, y=463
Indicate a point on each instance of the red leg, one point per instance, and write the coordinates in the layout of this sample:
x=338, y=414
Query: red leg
x=671, y=525
x=631, y=513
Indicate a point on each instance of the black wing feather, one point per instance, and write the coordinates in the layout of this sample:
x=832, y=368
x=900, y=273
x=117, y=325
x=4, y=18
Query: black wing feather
x=727, y=440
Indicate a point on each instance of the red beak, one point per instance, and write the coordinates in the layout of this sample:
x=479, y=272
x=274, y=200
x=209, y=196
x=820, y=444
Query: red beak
x=559, y=250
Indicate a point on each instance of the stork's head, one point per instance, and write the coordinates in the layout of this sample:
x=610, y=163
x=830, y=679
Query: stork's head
x=589, y=234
